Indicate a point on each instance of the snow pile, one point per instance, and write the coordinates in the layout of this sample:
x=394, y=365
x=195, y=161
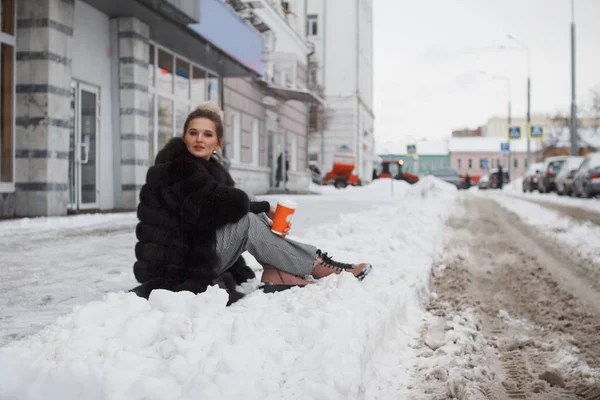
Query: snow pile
x=581, y=237
x=430, y=187
x=384, y=187
x=330, y=340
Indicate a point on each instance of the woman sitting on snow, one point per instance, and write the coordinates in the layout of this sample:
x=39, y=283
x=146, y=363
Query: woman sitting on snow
x=194, y=225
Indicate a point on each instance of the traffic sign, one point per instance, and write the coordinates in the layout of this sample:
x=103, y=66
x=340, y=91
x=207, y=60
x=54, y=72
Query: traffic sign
x=514, y=132
x=411, y=149
x=505, y=147
x=536, y=132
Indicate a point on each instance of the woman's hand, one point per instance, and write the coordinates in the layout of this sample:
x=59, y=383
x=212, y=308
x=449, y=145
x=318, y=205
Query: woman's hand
x=271, y=212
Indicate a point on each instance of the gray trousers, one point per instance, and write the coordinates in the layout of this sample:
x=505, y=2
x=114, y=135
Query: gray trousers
x=252, y=233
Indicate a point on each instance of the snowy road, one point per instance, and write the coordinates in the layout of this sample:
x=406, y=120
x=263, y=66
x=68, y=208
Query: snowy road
x=516, y=314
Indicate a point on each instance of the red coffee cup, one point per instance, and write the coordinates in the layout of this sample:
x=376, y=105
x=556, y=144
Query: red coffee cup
x=283, y=216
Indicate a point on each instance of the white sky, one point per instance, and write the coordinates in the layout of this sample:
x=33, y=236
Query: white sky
x=429, y=54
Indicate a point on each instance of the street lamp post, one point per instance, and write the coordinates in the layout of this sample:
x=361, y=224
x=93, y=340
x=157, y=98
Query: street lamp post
x=574, y=149
x=528, y=128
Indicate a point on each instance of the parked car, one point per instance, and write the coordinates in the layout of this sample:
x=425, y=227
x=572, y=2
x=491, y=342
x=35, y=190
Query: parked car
x=547, y=177
x=564, y=178
x=586, y=182
x=484, y=182
x=531, y=177
x=494, y=178
x=315, y=172
x=448, y=175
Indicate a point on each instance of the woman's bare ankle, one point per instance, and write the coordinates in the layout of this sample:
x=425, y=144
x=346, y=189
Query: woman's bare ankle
x=274, y=276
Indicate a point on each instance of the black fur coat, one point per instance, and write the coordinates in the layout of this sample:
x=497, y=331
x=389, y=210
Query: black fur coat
x=183, y=203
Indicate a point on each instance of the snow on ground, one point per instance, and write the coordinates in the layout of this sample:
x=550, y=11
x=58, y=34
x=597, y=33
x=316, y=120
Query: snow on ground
x=583, y=238
x=339, y=338
x=516, y=189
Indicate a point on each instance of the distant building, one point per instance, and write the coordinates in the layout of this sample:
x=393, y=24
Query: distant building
x=342, y=33
x=468, y=132
x=430, y=155
x=557, y=141
x=477, y=155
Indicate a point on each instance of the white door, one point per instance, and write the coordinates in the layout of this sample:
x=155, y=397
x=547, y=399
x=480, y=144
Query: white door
x=83, y=147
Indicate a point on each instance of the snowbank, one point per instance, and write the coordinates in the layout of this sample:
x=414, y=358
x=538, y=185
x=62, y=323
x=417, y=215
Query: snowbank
x=383, y=187
x=330, y=340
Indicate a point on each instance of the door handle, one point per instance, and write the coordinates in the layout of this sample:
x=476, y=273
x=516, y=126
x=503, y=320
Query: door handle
x=85, y=146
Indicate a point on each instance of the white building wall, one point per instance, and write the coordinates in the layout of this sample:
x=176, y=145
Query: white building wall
x=344, y=46
x=91, y=64
x=498, y=126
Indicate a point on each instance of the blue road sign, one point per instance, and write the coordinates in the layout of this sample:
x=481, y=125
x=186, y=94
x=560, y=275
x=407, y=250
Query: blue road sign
x=483, y=163
x=537, y=132
x=514, y=132
x=411, y=149
x=505, y=147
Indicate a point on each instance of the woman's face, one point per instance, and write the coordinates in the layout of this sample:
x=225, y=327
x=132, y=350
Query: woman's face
x=201, y=138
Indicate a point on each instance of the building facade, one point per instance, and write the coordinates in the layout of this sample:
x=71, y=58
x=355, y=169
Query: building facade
x=477, y=155
x=269, y=115
x=430, y=155
x=91, y=90
x=342, y=32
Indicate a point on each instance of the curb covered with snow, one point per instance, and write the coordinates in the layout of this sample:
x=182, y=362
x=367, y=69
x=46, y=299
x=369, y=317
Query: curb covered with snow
x=324, y=341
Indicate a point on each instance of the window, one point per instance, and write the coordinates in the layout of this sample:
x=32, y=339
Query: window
x=165, y=71
x=213, y=89
x=470, y=163
x=7, y=91
x=182, y=78
x=198, y=86
x=516, y=162
x=236, y=139
x=176, y=86
x=459, y=163
x=255, y=142
x=526, y=164
x=312, y=22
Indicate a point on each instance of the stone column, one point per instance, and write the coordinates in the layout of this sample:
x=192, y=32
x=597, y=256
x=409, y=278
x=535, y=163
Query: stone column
x=133, y=36
x=43, y=101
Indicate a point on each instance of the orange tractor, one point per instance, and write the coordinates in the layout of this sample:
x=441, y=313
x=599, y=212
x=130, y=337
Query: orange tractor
x=393, y=169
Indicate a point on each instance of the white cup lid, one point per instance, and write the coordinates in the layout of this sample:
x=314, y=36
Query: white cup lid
x=288, y=203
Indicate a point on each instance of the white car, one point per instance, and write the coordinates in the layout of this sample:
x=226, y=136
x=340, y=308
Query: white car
x=566, y=173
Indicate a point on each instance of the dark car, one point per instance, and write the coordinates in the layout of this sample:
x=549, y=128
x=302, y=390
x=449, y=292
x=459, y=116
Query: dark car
x=494, y=178
x=587, y=178
x=548, y=173
x=531, y=177
x=448, y=175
